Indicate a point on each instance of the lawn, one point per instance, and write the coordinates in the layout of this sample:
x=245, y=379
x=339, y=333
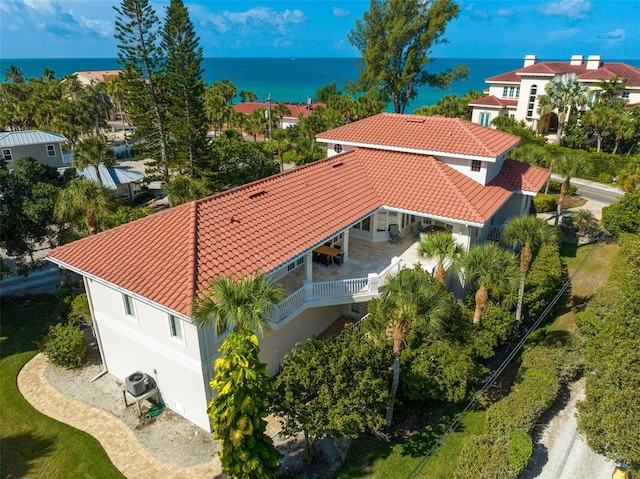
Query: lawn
x=370, y=457
x=591, y=276
x=32, y=444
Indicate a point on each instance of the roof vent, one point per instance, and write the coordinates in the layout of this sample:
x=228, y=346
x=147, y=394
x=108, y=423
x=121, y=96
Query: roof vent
x=337, y=165
x=257, y=194
x=415, y=119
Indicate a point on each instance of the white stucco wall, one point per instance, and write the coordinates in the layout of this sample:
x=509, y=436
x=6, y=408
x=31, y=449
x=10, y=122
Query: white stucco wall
x=274, y=345
x=144, y=343
x=463, y=166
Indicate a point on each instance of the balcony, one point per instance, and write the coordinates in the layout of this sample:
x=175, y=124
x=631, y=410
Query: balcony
x=357, y=280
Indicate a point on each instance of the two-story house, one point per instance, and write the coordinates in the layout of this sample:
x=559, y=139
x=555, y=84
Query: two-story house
x=516, y=93
x=385, y=171
x=44, y=146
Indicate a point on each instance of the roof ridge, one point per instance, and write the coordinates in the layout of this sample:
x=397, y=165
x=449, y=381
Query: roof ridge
x=192, y=261
x=440, y=166
x=462, y=124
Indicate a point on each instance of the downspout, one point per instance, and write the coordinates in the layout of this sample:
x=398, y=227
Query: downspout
x=95, y=329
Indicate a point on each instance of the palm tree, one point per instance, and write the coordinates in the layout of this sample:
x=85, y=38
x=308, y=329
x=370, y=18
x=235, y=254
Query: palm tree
x=610, y=87
x=625, y=128
x=280, y=110
x=216, y=109
x=527, y=233
x=412, y=298
x=565, y=94
x=243, y=304
x=570, y=165
x=494, y=269
x=91, y=152
x=280, y=143
x=115, y=89
x=246, y=95
x=601, y=117
x=83, y=198
x=440, y=246
x=183, y=189
x=15, y=74
x=48, y=74
x=585, y=221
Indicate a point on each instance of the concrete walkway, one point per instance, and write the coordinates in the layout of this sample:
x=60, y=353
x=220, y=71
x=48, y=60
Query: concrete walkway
x=116, y=438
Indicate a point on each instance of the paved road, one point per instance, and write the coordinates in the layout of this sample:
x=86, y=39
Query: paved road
x=42, y=280
x=561, y=453
x=594, y=191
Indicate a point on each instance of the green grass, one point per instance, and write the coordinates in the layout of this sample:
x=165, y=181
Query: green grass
x=369, y=457
x=32, y=444
x=593, y=274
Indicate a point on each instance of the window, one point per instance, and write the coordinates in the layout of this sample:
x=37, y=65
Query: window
x=6, y=154
x=175, y=327
x=504, y=91
x=512, y=91
x=51, y=151
x=532, y=99
x=129, y=310
x=518, y=92
x=485, y=118
x=476, y=165
x=625, y=95
x=337, y=148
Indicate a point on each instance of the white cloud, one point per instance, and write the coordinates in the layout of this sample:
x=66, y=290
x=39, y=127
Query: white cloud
x=49, y=16
x=258, y=18
x=474, y=12
x=562, y=34
x=566, y=8
x=340, y=12
x=503, y=12
x=614, y=37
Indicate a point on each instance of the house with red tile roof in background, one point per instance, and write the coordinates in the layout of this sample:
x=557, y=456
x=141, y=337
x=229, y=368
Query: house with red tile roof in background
x=92, y=77
x=296, y=110
x=322, y=230
x=516, y=93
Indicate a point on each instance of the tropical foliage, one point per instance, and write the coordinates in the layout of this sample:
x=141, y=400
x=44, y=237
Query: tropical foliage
x=394, y=38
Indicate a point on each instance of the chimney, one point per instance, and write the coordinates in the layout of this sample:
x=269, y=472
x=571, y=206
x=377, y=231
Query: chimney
x=593, y=62
x=530, y=60
x=576, y=60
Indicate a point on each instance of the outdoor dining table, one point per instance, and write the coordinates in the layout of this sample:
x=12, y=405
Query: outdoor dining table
x=328, y=251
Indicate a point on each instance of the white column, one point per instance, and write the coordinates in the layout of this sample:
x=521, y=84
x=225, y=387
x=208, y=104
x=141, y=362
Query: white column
x=308, y=267
x=345, y=246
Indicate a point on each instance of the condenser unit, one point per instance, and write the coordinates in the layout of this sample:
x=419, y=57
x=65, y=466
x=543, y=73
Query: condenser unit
x=137, y=383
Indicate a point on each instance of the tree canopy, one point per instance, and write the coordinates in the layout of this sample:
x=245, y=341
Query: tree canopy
x=394, y=38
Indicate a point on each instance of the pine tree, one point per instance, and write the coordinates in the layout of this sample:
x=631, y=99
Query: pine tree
x=185, y=90
x=137, y=32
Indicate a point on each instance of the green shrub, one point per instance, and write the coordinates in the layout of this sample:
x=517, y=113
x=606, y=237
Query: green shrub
x=528, y=399
x=520, y=448
x=544, y=203
x=485, y=456
x=494, y=329
x=546, y=276
x=65, y=345
x=617, y=219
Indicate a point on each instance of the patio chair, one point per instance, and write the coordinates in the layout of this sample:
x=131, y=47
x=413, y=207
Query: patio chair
x=394, y=234
x=417, y=229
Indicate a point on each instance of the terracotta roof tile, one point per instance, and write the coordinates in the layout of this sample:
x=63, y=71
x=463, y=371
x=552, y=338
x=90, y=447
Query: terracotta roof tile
x=432, y=134
x=170, y=256
x=606, y=71
x=494, y=101
x=296, y=109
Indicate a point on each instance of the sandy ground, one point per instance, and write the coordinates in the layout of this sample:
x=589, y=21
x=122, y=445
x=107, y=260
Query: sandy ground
x=560, y=451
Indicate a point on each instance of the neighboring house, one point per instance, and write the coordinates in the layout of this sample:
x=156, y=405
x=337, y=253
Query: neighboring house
x=297, y=111
x=125, y=182
x=516, y=93
x=44, y=146
x=142, y=278
x=96, y=76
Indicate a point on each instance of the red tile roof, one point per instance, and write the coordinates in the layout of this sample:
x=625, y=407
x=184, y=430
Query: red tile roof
x=429, y=134
x=296, y=109
x=170, y=256
x=494, y=101
x=606, y=71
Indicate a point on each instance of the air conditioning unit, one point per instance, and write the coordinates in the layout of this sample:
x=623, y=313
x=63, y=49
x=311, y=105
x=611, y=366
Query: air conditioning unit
x=137, y=383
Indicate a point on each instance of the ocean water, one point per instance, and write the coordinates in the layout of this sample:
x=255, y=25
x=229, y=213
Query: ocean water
x=290, y=79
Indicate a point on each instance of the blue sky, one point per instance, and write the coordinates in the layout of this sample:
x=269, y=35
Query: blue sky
x=553, y=29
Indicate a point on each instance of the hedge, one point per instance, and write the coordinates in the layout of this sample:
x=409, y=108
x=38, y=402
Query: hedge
x=546, y=276
x=544, y=203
